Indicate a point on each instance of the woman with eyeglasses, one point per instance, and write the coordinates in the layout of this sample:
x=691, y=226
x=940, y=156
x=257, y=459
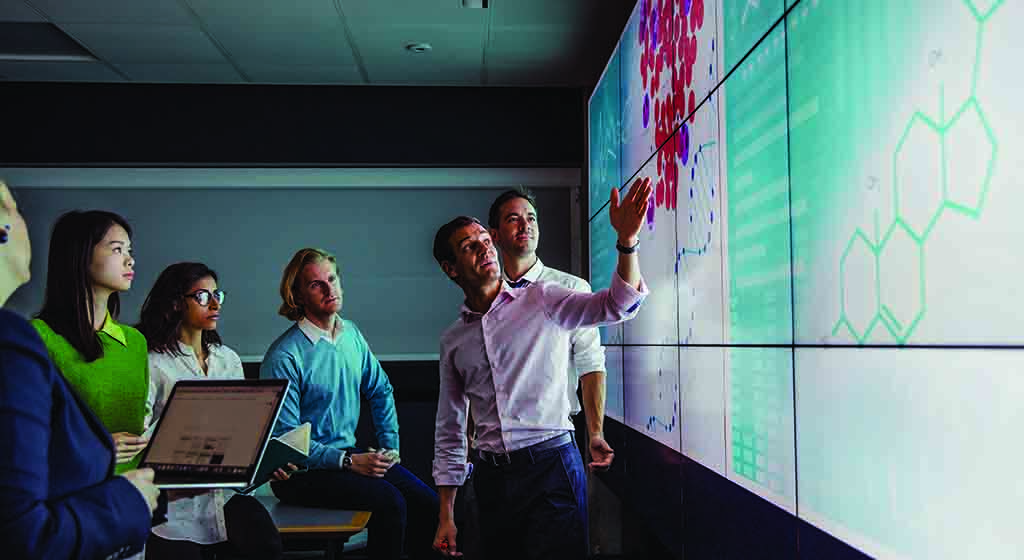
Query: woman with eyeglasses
x=59, y=497
x=179, y=320
x=90, y=264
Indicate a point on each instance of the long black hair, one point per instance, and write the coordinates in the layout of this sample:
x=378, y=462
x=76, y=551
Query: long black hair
x=67, y=303
x=164, y=308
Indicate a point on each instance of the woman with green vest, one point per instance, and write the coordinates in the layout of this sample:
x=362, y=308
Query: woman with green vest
x=59, y=497
x=90, y=263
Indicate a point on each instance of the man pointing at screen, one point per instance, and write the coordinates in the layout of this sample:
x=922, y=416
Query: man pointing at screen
x=505, y=356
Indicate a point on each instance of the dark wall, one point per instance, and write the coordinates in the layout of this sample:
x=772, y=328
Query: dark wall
x=208, y=125
x=677, y=508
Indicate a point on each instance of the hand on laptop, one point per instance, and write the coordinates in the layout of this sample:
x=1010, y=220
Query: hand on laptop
x=128, y=445
x=142, y=480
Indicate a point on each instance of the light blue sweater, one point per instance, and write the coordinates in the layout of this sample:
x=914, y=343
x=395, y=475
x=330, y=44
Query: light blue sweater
x=326, y=383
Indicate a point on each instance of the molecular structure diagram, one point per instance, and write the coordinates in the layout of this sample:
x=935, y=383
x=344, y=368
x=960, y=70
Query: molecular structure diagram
x=957, y=185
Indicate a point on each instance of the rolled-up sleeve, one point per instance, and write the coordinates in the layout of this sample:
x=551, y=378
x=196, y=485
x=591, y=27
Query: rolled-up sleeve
x=450, y=462
x=587, y=352
x=571, y=309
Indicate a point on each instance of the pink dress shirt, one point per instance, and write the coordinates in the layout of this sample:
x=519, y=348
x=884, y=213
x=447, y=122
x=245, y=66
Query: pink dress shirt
x=509, y=365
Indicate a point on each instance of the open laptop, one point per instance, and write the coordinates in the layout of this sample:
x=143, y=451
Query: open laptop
x=213, y=433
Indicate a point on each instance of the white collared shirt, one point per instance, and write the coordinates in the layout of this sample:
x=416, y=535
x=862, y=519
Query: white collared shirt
x=508, y=364
x=586, y=355
x=199, y=519
x=315, y=333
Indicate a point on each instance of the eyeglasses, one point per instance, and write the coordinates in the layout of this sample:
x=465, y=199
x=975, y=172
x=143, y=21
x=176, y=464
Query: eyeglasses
x=203, y=297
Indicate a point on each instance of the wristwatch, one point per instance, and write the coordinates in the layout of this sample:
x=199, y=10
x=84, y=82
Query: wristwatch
x=346, y=462
x=627, y=250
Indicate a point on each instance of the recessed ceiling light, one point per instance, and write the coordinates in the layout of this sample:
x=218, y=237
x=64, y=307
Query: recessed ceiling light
x=418, y=48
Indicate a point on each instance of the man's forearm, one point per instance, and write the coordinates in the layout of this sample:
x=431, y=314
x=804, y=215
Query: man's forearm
x=629, y=263
x=593, y=385
x=446, y=495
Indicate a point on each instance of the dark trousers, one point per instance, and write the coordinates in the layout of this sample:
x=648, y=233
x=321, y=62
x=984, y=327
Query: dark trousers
x=534, y=509
x=403, y=509
x=251, y=535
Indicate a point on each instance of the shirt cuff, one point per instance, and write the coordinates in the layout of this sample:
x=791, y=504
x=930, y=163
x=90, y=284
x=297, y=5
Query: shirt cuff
x=625, y=296
x=453, y=475
x=341, y=460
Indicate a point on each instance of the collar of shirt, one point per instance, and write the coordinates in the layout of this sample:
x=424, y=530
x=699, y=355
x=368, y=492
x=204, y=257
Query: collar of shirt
x=504, y=293
x=189, y=351
x=531, y=276
x=113, y=330
x=315, y=333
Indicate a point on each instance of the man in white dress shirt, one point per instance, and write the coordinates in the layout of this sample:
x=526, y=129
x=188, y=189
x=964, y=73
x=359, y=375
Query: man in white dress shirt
x=515, y=228
x=506, y=356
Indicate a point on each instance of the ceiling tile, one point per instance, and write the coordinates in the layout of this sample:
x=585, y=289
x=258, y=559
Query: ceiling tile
x=181, y=73
x=173, y=44
x=58, y=71
x=243, y=13
x=383, y=48
x=321, y=42
x=421, y=12
x=532, y=45
x=167, y=12
x=386, y=44
x=296, y=74
x=534, y=75
x=435, y=74
x=16, y=10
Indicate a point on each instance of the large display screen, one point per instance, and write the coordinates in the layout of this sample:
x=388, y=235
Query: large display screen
x=833, y=252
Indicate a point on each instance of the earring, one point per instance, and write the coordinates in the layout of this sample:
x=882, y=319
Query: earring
x=4, y=234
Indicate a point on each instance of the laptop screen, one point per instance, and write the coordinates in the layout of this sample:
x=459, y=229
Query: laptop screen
x=215, y=427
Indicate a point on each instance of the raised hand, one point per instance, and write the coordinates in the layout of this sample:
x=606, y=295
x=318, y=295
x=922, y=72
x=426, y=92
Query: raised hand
x=628, y=216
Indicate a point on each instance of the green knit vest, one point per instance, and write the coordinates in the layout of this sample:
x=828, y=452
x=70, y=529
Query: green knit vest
x=115, y=386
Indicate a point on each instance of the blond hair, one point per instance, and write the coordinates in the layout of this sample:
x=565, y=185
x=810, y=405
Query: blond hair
x=290, y=306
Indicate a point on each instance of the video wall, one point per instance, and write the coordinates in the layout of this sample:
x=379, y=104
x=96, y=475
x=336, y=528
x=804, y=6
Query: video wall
x=834, y=253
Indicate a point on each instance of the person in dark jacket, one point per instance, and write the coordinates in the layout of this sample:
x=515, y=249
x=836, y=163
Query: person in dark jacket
x=59, y=497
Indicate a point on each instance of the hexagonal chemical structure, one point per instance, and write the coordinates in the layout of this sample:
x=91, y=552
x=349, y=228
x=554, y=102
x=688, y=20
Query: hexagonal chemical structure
x=945, y=50
x=970, y=156
x=917, y=178
x=901, y=281
x=982, y=8
x=858, y=275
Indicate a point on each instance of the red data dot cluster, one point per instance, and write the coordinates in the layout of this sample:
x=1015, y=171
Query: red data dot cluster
x=668, y=37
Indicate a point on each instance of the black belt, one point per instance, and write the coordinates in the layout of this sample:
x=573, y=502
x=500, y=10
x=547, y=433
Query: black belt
x=524, y=455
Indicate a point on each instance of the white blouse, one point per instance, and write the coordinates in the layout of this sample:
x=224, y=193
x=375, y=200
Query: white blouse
x=199, y=519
